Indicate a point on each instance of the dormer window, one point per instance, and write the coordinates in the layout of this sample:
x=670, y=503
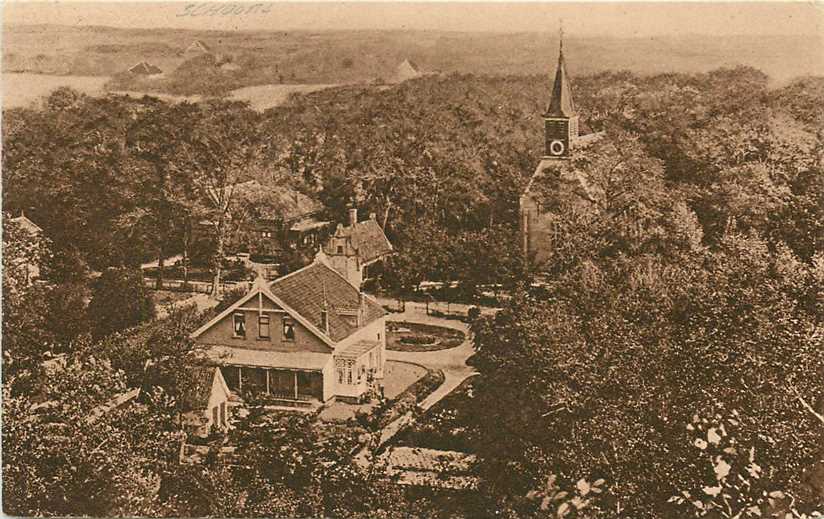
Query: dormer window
x=239, y=323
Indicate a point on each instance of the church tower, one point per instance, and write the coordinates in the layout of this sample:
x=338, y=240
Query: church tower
x=560, y=118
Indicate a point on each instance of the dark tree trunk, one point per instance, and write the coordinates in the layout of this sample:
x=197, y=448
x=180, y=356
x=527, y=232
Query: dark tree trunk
x=160, y=265
x=187, y=236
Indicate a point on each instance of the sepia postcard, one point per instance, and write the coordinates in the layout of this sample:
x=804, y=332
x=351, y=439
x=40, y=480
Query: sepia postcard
x=392, y=260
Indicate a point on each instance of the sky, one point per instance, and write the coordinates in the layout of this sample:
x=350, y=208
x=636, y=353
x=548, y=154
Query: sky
x=618, y=19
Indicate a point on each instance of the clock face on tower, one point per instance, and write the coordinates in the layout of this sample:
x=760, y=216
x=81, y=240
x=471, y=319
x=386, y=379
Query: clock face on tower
x=556, y=147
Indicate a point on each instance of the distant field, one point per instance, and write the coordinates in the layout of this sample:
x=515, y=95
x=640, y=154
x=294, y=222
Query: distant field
x=20, y=90
x=23, y=89
x=262, y=97
x=341, y=57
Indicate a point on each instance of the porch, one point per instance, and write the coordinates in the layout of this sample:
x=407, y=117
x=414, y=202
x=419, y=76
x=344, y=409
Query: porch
x=287, y=386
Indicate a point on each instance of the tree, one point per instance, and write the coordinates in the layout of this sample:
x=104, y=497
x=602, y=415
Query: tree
x=603, y=372
x=25, y=339
x=224, y=144
x=57, y=461
x=119, y=300
x=154, y=140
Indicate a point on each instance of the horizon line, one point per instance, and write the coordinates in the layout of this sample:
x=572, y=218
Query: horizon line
x=553, y=31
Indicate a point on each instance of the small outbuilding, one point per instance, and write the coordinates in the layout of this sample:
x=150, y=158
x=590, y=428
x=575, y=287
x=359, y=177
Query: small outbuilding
x=145, y=69
x=206, y=400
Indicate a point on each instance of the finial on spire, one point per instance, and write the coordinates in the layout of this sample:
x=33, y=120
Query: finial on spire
x=561, y=35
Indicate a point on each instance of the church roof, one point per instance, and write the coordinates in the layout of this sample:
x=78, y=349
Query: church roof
x=560, y=103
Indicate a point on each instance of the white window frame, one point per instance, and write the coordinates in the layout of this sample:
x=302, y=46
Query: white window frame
x=242, y=317
x=268, y=326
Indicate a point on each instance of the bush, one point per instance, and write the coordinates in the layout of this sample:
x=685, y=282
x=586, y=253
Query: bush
x=120, y=300
x=418, y=339
x=473, y=313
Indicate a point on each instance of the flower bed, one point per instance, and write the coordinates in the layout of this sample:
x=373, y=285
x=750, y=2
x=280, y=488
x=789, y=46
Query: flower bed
x=415, y=337
x=418, y=339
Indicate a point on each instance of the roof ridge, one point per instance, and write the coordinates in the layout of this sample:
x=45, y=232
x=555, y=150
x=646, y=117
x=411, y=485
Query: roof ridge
x=278, y=280
x=341, y=276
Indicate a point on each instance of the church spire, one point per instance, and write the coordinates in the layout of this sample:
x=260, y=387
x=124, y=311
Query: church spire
x=560, y=103
x=560, y=119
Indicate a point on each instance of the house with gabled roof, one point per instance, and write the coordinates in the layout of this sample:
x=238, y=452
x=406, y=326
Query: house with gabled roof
x=272, y=218
x=353, y=248
x=197, y=47
x=406, y=70
x=29, y=261
x=206, y=401
x=27, y=225
x=308, y=337
x=145, y=69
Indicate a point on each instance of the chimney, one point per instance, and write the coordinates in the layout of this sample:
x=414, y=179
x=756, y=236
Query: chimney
x=353, y=216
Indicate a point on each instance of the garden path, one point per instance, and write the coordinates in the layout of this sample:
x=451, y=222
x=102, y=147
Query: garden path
x=451, y=361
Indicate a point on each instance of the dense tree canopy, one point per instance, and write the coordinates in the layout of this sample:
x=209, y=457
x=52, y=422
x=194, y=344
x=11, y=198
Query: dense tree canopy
x=688, y=286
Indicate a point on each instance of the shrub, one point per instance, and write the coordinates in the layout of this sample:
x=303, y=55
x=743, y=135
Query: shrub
x=120, y=300
x=473, y=313
x=418, y=339
x=229, y=298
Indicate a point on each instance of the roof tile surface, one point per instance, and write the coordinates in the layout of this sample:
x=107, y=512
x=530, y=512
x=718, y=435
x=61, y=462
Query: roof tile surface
x=316, y=287
x=369, y=240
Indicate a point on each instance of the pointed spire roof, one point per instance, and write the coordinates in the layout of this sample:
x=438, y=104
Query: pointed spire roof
x=561, y=104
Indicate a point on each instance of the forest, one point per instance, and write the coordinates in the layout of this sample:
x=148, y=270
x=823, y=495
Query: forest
x=671, y=350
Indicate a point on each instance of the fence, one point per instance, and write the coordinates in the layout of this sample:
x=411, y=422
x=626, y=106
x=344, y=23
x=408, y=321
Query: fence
x=200, y=287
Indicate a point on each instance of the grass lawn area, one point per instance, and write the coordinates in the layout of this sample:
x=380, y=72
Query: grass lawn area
x=399, y=376
x=164, y=297
x=415, y=337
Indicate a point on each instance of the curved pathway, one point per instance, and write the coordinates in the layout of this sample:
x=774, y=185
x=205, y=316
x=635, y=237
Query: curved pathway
x=452, y=361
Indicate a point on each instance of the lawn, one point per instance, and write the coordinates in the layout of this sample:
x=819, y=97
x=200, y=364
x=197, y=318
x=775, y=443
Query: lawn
x=399, y=376
x=415, y=337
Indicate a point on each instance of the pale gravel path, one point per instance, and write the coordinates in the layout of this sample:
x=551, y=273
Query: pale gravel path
x=451, y=361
